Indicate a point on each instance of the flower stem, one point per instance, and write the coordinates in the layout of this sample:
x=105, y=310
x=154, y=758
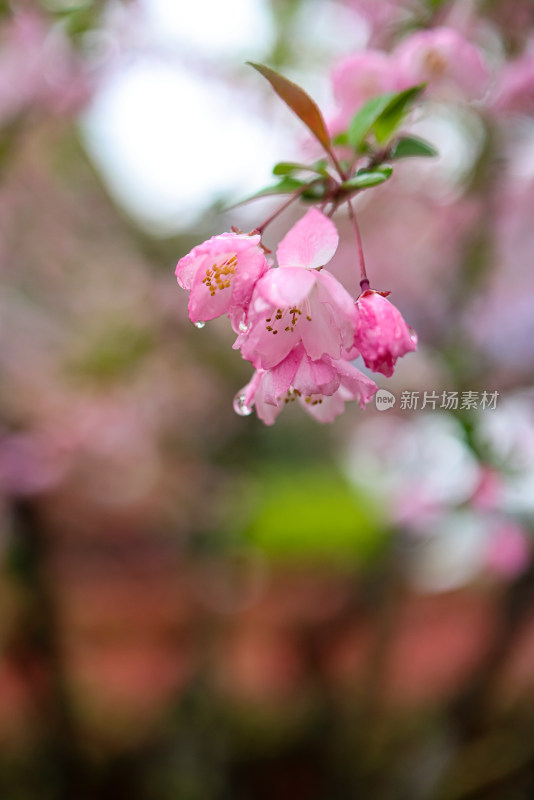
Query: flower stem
x=273, y=216
x=341, y=172
x=364, y=282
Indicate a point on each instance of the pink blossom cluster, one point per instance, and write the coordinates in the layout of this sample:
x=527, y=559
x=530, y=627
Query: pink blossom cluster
x=442, y=57
x=295, y=322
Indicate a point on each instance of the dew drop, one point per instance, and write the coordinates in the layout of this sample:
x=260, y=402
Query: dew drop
x=243, y=327
x=240, y=406
x=199, y=324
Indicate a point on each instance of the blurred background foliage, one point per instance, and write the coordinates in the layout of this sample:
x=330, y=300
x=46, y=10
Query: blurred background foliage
x=192, y=605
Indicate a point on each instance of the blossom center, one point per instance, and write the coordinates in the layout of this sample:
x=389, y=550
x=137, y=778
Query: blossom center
x=285, y=319
x=219, y=276
x=435, y=63
x=292, y=394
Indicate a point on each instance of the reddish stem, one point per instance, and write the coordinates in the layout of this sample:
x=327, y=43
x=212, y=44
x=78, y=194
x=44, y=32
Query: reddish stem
x=364, y=283
x=278, y=211
x=341, y=172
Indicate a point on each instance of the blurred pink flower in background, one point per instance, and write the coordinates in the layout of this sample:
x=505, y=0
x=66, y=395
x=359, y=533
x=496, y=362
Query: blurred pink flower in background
x=357, y=78
x=31, y=463
x=445, y=60
x=508, y=551
x=39, y=69
x=514, y=90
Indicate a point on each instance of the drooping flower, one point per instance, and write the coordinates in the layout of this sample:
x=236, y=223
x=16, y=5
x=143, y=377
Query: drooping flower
x=299, y=302
x=322, y=387
x=220, y=274
x=382, y=336
x=445, y=60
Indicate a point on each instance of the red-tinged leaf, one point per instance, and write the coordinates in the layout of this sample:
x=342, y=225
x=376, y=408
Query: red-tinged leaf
x=298, y=101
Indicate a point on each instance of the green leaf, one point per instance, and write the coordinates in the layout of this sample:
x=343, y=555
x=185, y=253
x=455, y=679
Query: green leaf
x=342, y=139
x=391, y=117
x=365, y=118
x=288, y=167
x=381, y=115
x=298, y=101
x=410, y=146
x=366, y=178
x=317, y=191
x=287, y=185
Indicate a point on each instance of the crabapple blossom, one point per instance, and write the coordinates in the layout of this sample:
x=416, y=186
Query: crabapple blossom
x=444, y=59
x=359, y=77
x=298, y=302
x=322, y=387
x=220, y=275
x=382, y=336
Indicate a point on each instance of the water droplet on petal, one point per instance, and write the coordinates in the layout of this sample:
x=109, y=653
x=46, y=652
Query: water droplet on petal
x=199, y=324
x=240, y=405
x=243, y=327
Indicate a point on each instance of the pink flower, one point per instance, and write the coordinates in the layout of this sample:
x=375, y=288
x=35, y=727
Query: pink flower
x=359, y=77
x=220, y=274
x=297, y=302
x=382, y=335
x=508, y=552
x=515, y=88
x=445, y=60
x=39, y=68
x=322, y=387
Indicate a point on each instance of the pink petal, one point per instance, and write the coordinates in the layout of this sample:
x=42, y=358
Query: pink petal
x=355, y=384
x=321, y=335
x=286, y=287
x=333, y=319
x=251, y=396
x=277, y=381
x=334, y=295
x=310, y=243
x=382, y=335
x=203, y=305
x=267, y=342
x=252, y=264
x=267, y=412
x=187, y=267
x=324, y=409
x=316, y=377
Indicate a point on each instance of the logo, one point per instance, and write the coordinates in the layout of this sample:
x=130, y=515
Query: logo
x=384, y=400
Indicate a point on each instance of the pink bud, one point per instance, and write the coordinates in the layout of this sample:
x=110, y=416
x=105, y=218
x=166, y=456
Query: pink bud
x=382, y=336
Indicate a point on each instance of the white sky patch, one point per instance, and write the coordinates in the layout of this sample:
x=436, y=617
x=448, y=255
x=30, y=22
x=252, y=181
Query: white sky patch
x=169, y=144
x=216, y=28
x=170, y=141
